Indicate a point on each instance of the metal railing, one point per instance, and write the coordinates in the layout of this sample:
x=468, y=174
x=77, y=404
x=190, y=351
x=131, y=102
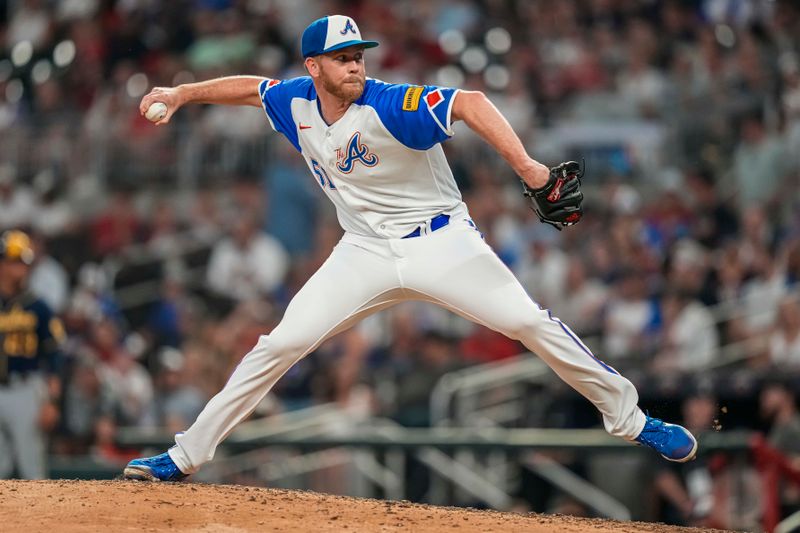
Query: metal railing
x=570, y=483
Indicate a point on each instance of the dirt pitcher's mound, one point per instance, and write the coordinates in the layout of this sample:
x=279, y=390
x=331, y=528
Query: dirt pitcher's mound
x=71, y=506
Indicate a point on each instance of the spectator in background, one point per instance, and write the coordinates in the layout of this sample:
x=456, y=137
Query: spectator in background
x=641, y=85
x=584, y=301
x=129, y=384
x=688, y=269
x=239, y=328
x=292, y=213
x=706, y=492
x=779, y=409
x=205, y=219
x=791, y=108
x=341, y=362
x=757, y=235
x=629, y=316
x=16, y=201
x=792, y=253
x=117, y=227
x=246, y=196
x=668, y=219
x=171, y=315
x=689, y=338
x=394, y=341
x=30, y=22
x=54, y=214
x=85, y=402
x=434, y=359
x=784, y=342
x=177, y=401
x=543, y=271
x=248, y=263
x=730, y=274
x=605, y=265
x=758, y=163
x=48, y=279
x=761, y=295
x=714, y=220
x=163, y=233
x=92, y=297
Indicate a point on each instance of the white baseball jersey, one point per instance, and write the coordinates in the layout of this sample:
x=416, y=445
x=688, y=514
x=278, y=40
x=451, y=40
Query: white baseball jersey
x=381, y=163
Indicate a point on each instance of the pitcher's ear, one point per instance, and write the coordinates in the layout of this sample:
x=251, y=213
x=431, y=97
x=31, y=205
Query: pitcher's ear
x=312, y=67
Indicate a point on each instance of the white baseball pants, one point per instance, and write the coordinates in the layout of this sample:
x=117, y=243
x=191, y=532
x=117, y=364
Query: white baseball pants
x=452, y=267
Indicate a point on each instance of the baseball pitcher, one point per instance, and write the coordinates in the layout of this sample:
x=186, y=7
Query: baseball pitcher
x=375, y=150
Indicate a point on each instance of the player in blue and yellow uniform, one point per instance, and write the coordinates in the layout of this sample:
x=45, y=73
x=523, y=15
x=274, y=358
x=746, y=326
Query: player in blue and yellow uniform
x=29, y=361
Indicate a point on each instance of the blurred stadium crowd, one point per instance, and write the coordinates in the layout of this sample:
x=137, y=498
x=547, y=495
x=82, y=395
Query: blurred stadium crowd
x=167, y=251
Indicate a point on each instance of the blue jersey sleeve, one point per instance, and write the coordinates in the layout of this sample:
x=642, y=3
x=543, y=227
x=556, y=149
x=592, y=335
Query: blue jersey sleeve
x=416, y=115
x=276, y=98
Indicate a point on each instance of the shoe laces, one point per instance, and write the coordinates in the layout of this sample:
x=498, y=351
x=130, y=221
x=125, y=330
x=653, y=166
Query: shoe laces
x=655, y=433
x=162, y=460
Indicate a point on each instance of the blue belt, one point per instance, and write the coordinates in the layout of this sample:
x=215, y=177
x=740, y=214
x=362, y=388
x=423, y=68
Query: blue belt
x=437, y=222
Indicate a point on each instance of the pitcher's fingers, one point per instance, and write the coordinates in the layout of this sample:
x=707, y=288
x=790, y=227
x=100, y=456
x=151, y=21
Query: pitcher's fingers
x=146, y=102
x=166, y=118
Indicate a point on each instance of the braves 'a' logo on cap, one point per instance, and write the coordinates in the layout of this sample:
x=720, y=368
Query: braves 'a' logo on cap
x=355, y=151
x=348, y=27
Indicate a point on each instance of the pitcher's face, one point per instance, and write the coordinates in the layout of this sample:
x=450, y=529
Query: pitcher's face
x=341, y=72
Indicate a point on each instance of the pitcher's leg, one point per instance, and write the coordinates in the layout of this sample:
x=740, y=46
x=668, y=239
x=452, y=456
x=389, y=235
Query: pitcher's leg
x=470, y=279
x=351, y=284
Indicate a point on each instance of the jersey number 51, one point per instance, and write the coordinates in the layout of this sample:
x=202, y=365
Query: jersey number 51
x=323, y=177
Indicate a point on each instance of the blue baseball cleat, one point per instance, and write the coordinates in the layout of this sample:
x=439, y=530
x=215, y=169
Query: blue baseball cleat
x=157, y=468
x=672, y=441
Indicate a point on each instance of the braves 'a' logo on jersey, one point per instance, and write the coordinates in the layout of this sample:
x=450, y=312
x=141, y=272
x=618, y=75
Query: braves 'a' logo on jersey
x=348, y=27
x=355, y=151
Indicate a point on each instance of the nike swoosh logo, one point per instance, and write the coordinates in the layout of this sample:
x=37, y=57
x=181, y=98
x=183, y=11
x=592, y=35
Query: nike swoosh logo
x=303, y=127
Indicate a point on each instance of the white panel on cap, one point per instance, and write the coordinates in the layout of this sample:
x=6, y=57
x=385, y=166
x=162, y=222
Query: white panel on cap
x=336, y=24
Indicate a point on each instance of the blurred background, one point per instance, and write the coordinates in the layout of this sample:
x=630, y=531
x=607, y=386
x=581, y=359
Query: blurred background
x=168, y=251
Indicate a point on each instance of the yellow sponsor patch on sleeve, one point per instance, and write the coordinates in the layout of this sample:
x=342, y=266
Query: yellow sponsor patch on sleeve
x=411, y=98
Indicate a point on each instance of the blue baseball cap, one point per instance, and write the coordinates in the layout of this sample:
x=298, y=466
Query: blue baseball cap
x=332, y=33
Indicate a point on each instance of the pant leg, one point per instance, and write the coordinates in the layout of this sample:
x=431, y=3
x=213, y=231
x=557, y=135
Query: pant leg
x=27, y=439
x=351, y=284
x=455, y=268
x=6, y=451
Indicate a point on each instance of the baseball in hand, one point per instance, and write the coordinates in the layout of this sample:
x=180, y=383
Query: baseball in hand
x=156, y=111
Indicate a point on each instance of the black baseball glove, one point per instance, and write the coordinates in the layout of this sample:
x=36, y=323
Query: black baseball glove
x=558, y=202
